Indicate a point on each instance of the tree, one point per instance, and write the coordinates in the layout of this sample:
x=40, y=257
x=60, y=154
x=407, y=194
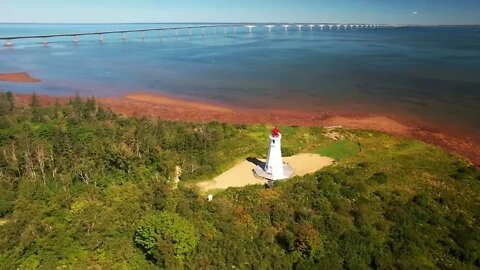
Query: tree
x=11, y=101
x=3, y=104
x=163, y=229
x=90, y=107
x=309, y=241
x=35, y=107
x=7, y=103
x=77, y=106
x=34, y=102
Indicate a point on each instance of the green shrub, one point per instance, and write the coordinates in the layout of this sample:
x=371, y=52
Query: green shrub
x=379, y=178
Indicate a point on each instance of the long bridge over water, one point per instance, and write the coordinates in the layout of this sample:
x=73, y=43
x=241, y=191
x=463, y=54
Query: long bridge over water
x=9, y=40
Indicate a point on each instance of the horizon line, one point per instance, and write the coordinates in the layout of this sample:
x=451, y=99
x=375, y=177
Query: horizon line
x=244, y=22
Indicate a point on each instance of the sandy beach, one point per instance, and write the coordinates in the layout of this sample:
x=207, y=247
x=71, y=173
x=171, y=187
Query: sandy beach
x=18, y=77
x=241, y=174
x=140, y=104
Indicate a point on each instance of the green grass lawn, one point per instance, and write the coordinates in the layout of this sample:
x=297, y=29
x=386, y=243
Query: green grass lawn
x=340, y=150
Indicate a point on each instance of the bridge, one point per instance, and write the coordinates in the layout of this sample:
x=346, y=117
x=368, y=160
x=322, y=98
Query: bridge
x=268, y=27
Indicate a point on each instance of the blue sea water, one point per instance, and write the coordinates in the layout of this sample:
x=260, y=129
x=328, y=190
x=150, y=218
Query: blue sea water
x=432, y=73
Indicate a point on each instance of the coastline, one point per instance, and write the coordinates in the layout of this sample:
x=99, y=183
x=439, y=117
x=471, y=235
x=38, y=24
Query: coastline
x=18, y=77
x=139, y=104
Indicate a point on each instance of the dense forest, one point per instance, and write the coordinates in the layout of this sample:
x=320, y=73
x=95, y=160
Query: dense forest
x=84, y=188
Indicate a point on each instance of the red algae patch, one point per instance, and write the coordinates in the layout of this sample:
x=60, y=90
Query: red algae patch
x=18, y=77
x=166, y=101
x=382, y=123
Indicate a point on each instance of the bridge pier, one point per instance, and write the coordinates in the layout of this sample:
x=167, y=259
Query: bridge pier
x=45, y=42
x=123, y=37
x=285, y=26
x=225, y=30
x=234, y=29
x=203, y=32
x=190, y=31
x=299, y=27
x=75, y=40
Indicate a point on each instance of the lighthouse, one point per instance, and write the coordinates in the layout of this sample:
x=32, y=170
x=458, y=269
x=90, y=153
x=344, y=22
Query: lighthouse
x=274, y=168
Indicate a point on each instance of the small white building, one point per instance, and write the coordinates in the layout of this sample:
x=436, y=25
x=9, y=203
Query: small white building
x=274, y=168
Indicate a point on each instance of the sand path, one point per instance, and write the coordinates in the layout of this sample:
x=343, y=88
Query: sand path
x=241, y=174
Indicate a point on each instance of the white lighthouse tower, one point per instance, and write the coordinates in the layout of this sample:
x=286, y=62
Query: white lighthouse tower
x=274, y=168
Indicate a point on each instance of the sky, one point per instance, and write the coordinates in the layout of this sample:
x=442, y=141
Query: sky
x=342, y=11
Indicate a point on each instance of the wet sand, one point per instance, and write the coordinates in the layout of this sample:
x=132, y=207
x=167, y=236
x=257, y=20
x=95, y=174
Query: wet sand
x=241, y=174
x=18, y=77
x=170, y=108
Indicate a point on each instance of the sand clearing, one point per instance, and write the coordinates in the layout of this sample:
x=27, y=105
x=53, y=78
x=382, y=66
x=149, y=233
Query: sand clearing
x=307, y=163
x=241, y=174
x=166, y=101
x=19, y=77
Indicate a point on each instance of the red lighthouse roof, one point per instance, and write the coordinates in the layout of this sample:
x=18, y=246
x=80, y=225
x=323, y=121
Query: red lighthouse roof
x=275, y=132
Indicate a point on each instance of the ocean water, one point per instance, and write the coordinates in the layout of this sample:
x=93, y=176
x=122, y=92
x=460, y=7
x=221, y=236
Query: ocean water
x=426, y=73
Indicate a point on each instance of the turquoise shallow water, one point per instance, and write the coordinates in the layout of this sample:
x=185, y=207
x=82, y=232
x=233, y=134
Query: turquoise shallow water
x=432, y=73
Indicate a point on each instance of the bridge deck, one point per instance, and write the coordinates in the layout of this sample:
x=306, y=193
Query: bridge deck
x=118, y=31
x=250, y=26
